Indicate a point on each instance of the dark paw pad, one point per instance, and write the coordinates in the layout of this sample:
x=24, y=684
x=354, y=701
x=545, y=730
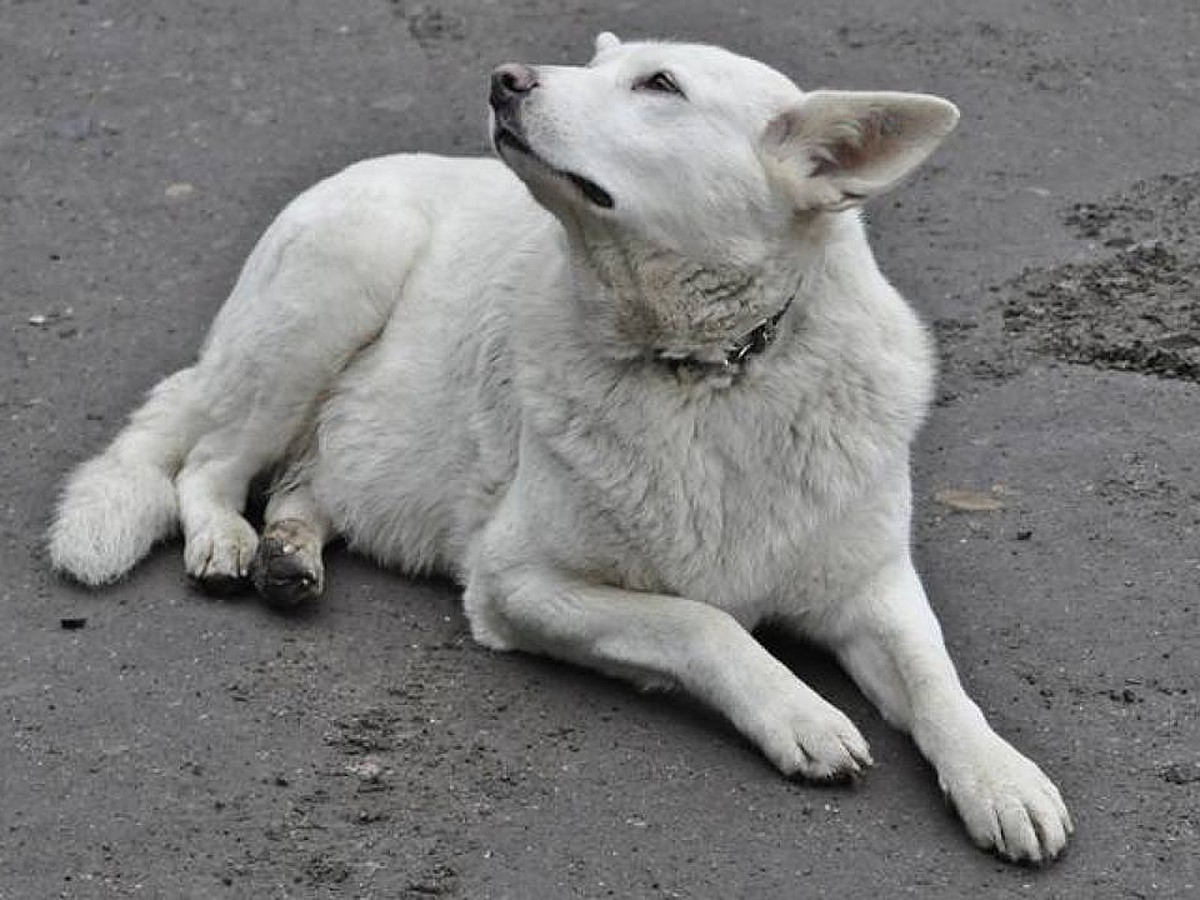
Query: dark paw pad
x=287, y=570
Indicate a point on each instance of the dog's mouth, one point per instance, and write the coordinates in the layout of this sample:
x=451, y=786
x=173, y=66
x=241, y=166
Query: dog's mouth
x=506, y=136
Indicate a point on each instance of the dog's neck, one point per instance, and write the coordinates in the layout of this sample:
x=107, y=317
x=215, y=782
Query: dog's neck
x=643, y=301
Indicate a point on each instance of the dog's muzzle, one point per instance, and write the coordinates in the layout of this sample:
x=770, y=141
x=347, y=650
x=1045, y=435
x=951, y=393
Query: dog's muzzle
x=511, y=84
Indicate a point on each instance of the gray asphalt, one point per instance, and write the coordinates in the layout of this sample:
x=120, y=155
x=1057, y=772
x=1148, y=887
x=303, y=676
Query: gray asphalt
x=178, y=746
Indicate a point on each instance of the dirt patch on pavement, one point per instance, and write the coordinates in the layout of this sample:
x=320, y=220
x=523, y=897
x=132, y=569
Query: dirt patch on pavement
x=1136, y=306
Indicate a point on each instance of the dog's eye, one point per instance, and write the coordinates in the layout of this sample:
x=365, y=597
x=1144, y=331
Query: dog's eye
x=662, y=82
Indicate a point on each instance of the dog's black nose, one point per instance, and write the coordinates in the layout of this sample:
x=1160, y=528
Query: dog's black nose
x=510, y=82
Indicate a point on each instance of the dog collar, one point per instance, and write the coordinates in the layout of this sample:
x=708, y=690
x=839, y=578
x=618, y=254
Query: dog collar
x=753, y=342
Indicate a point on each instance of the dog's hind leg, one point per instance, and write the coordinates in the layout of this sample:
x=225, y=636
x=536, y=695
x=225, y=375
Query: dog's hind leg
x=320, y=286
x=219, y=543
x=287, y=569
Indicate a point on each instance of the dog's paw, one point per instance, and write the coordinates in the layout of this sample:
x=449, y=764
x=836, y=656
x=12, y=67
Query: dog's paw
x=287, y=570
x=218, y=556
x=1007, y=803
x=809, y=738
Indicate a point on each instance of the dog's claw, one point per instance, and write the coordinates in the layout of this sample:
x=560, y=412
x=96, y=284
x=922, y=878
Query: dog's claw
x=217, y=557
x=1008, y=804
x=815, y=741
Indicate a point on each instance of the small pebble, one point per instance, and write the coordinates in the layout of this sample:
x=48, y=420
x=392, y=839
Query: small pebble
x=180, y=190
x=367, y=770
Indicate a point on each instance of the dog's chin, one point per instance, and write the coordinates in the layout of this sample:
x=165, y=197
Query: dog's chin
x=537, y=172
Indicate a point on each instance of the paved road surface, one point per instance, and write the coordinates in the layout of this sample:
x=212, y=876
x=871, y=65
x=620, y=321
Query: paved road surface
x=177, y=746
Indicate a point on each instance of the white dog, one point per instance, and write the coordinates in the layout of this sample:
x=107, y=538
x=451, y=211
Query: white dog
x=668, y=401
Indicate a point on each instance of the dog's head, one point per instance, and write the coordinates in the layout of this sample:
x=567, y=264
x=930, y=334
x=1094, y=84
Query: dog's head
x=697, y=149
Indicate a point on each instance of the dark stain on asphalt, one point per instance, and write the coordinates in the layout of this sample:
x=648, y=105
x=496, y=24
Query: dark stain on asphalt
x=1133, y=304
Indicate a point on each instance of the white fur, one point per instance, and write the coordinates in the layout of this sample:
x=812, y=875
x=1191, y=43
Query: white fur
x=457, y=378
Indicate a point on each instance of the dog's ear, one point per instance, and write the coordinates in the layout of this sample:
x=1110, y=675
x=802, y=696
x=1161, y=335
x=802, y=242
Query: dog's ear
x=837, y=148
x=606, y=40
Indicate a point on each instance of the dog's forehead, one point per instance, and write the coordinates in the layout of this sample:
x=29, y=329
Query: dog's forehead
x=703, y=67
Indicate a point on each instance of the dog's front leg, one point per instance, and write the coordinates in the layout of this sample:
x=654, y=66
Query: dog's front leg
x=891, y=643
x=658, y=640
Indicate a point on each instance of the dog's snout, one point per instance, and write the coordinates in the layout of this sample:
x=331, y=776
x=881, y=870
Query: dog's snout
x=510, y=82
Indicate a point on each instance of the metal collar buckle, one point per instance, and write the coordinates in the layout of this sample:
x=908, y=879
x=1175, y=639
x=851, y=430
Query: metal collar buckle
x=753, y=342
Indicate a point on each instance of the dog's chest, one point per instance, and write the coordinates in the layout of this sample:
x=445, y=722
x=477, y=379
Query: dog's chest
x=743, y=499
